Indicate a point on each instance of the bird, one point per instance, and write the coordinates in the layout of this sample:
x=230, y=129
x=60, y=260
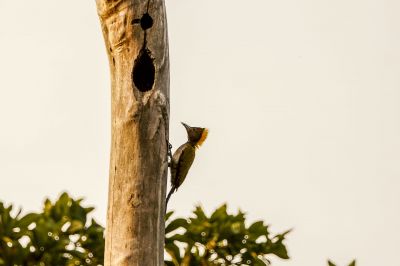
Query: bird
x=183, y=157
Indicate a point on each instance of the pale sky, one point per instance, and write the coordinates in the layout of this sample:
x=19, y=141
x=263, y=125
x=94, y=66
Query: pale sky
x=301, y=98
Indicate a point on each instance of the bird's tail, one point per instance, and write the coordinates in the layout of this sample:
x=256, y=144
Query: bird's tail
x=169, y=195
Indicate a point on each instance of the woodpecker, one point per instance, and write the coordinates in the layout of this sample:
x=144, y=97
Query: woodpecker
x=183, y=157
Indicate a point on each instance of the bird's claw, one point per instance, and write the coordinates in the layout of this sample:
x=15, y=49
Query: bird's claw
x=169, y=152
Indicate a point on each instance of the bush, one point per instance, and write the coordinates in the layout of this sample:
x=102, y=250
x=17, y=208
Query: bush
x=62, y=235
x=221, y=239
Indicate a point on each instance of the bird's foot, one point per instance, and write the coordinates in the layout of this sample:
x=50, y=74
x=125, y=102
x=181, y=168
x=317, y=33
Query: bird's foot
x=169, y=152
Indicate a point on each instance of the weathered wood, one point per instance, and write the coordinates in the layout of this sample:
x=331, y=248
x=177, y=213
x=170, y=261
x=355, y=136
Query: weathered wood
x=136, y=45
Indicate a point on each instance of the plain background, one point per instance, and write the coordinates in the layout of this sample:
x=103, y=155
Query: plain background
x=301, y=98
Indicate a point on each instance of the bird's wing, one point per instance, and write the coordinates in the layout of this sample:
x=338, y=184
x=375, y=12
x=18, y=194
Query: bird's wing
x=181, y=163
x=174, y=164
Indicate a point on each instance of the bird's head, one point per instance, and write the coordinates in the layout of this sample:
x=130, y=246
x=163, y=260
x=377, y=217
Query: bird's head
x=196, y=135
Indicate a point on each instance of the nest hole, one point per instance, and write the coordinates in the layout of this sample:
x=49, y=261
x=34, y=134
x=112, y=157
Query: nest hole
x=143, y=71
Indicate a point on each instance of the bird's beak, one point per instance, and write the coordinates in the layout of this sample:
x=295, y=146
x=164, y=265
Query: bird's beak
x=186, y=126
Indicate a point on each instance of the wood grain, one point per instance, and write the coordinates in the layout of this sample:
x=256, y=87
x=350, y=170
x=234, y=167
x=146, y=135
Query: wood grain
x=138, y=163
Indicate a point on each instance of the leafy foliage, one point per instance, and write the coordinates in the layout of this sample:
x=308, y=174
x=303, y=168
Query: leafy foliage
x=60, y=235
x=221, y=239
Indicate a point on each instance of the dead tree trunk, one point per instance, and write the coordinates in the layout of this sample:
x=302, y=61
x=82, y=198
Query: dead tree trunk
x=135, y=34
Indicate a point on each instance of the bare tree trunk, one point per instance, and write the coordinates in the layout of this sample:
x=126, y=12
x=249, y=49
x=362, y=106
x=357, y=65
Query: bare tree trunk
x=135, y=34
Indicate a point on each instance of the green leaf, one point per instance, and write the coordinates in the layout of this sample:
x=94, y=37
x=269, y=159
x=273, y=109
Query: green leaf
x=88, y=209
x=219, y=214
x=6, y=218
x=200, y=215
x=77, y=212
x=27, y=220
x=47, y=207
x=174, y=252
x=62, y=203
x=331, y=263
x=168, y=215
x=258, y=262
x=175, y=224
x=178, y=237
x=258, y=229
x=77, y=254
x=75, y=227
x=278, y=248
x=353, y=263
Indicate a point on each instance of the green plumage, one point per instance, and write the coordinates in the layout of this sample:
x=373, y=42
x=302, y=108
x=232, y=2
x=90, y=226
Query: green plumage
x=180, y=164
